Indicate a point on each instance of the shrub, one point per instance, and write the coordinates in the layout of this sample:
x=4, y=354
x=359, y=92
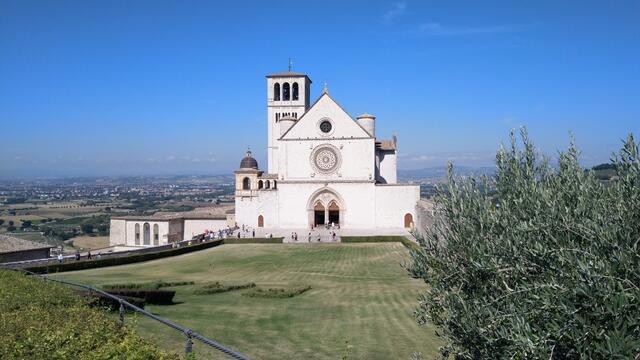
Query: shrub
x=128, y=259
x=277, y=240
x=150, y=296
x=44, y=320
x=537, y=262
x=276, y=293
x=217, y=287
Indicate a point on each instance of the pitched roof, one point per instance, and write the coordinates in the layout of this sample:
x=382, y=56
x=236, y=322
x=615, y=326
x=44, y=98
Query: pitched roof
x=314, y=104
x=12, y=244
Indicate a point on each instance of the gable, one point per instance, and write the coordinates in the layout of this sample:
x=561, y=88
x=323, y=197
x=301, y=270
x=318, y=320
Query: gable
x=343, y=125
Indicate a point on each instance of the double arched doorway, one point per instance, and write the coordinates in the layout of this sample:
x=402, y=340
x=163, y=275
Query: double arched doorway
x=326, y=207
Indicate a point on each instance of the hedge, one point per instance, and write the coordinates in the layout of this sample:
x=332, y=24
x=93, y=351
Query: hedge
x=147, y=285
x=276, y=293
x=277, y=240
x=150, y=296
x=374, y=239
x=217, y=287
x=112, y=261
x=100, y=300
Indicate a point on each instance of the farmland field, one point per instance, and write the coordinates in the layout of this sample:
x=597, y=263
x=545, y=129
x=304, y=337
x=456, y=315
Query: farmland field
x=360, y=302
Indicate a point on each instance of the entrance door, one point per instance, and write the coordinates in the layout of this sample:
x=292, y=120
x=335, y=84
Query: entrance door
x=318, y=214
x=408, y=221
x=146, y=234
x=334, y=213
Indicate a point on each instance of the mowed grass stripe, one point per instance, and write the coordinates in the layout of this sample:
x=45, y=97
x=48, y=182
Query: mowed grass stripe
x=359, y=294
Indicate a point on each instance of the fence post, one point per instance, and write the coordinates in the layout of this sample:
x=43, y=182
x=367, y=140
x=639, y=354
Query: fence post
x=121, y=313
x=188, y=345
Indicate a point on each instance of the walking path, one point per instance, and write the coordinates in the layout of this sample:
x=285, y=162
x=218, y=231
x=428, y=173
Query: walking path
x=319, y=234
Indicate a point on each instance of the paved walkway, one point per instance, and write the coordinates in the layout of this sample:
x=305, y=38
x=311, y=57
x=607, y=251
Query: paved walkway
x=319, y=234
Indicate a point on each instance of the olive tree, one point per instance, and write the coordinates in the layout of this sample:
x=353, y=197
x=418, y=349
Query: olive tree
x=536, y=262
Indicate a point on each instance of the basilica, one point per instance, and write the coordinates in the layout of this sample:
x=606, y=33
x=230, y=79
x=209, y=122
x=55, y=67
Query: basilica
x=324, y=167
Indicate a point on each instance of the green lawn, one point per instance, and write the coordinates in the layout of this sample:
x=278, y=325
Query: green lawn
x=359, y=295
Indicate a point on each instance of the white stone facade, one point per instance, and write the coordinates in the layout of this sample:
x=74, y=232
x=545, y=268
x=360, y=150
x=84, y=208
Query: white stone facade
x=158, y=230
x=323, y=167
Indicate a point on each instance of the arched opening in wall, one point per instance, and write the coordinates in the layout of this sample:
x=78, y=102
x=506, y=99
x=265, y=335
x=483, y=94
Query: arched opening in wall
x=146, y=234
x=260, y=221
x=408, y=221
x=267, y=185
x=260, y=184
x=334, y=213
x=294, y=91
x=318, y=214
x=246, y=184
x=137, y=238
x=275, y=185
x=156, y=235
x=285, y=91
x=276, y=92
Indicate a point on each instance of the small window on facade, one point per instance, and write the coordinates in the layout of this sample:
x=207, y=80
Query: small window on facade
x=276, y=92
x=286, y=92
x=294, y=95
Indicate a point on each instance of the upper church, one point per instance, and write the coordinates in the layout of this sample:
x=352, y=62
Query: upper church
x=324, y=167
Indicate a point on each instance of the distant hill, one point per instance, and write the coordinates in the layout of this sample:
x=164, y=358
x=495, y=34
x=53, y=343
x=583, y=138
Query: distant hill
x=439, y=173
x=604, y=171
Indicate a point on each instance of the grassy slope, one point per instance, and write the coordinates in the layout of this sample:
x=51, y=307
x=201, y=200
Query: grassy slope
x=360, y=295
x=44, y=320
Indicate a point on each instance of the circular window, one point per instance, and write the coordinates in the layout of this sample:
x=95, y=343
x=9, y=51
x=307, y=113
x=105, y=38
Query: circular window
x=325, y=159
x=325, y=126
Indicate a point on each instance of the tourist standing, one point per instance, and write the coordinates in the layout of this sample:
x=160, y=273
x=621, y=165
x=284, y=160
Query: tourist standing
x=253, y=233
x=77, y=255
x=60, y=258
x=89, y=255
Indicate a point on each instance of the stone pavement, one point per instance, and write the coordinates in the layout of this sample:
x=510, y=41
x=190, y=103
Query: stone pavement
x=319, y=234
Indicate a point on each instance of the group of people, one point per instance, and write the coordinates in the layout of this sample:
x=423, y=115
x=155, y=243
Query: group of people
x=78, y=256
x=294, y=236
x=220, y=234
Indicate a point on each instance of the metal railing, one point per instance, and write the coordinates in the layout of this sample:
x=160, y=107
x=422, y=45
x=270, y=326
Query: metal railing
x=186, y=332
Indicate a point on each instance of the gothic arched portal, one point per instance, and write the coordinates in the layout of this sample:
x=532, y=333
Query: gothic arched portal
x=332, y=213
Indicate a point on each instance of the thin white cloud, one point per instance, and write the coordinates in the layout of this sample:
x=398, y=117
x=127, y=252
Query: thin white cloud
x=397, y=9
x=437, y=29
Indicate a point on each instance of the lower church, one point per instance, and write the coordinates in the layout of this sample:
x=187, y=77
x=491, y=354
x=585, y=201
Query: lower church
x=324, y=167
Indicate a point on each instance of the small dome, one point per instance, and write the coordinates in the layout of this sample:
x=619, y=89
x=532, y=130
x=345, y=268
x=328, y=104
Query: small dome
x=366, y=115
x=248, y=162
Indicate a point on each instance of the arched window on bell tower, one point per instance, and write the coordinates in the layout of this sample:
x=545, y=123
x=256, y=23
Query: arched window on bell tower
x=286, y=92
x=276, y=92
x=294, y=91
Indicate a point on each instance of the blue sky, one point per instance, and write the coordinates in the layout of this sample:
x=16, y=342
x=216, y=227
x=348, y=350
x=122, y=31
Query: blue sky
x=169, y=87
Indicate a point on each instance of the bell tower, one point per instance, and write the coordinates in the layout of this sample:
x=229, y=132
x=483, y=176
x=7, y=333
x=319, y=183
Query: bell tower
x=287, y=96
